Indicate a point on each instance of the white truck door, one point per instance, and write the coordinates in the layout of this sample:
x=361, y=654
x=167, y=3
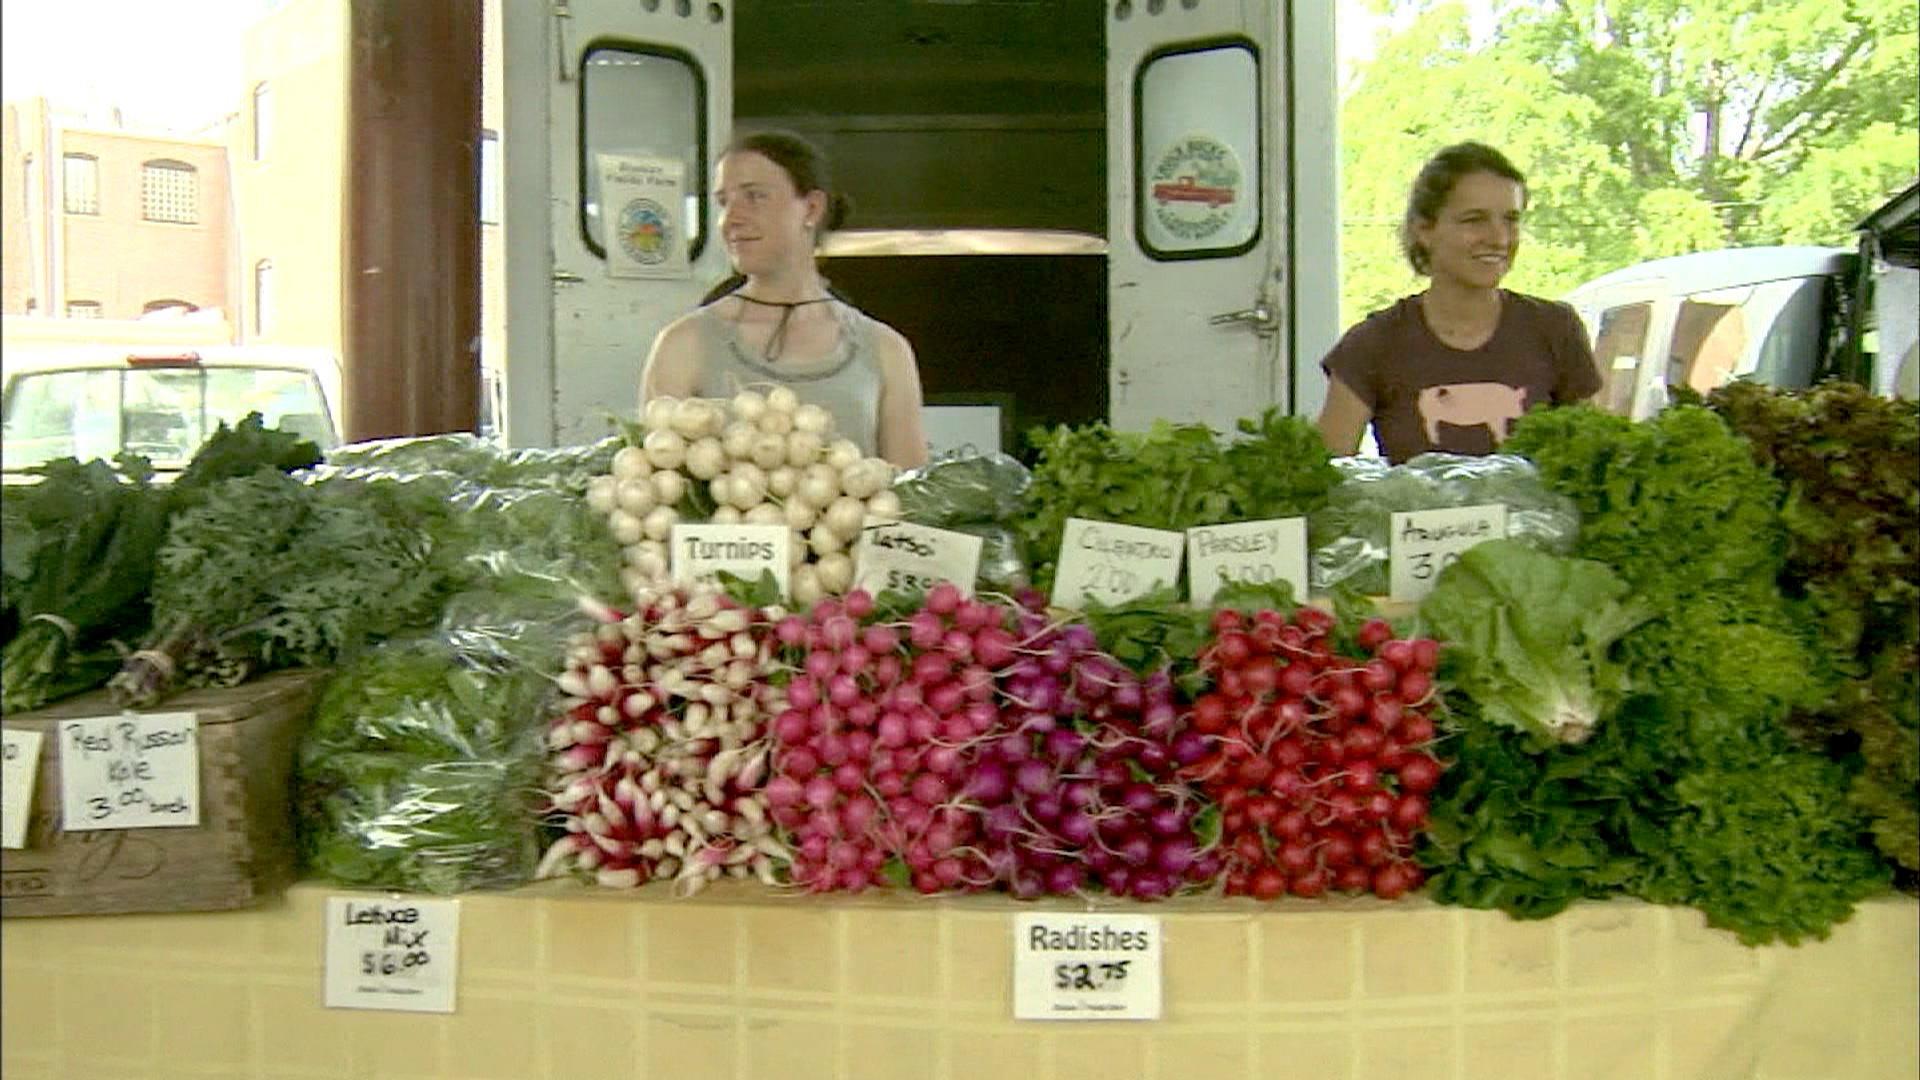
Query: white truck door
x=1211, y=162
x=613, y=112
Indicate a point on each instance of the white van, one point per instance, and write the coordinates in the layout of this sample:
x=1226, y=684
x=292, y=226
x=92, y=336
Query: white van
x=1704, y=319
x=94, y=401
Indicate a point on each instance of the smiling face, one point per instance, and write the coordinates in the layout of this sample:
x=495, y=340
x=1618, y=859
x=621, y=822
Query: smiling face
x=1473, y=239
x=766, y=224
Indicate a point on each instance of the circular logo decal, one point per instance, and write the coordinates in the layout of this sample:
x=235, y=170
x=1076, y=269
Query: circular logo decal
x=645, y=232
x=1194, y=187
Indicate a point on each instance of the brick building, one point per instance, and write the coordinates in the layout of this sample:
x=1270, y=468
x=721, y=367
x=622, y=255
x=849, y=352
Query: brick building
x=101, y=222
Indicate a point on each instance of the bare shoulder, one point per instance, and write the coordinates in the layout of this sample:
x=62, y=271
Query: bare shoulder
x=673, y=364
x=892, y=347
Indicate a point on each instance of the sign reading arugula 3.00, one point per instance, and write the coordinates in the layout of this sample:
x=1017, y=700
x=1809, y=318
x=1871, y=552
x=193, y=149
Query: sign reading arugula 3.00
x=1425, y=542
x=894, y=556
x=1111, y=564
x=747, y=551
x=1250, y=553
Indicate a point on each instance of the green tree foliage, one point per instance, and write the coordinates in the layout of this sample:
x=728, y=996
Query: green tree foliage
x=1646, y=127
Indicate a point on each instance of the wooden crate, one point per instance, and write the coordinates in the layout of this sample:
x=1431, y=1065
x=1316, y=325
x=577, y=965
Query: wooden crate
x=241, y=852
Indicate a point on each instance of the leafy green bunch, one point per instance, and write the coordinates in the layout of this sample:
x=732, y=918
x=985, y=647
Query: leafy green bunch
x=1172, y=476
x=80, y=546
x=421, y=769
x=1676, y=503
x=1692, y=790
x=1850, y=464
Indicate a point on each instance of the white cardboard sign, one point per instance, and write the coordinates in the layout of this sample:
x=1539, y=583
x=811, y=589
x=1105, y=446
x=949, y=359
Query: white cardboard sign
x=22, y=768
x=1083, y=966
x=698, y=551
x=1425, y=542
x=130, y=771
x=898, y=556
x=643, y=210
x=1251, y=552
x=399, y=953
x=1109, y=563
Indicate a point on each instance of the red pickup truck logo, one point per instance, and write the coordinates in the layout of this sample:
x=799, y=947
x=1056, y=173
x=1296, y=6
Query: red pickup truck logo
x=1185, y=189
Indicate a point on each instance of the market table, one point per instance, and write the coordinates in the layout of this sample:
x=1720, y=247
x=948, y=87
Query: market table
x=559, y=981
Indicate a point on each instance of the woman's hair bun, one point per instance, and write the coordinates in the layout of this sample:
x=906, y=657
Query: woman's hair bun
x=839, y=209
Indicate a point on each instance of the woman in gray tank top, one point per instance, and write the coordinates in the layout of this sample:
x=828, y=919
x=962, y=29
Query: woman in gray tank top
x=777, y=322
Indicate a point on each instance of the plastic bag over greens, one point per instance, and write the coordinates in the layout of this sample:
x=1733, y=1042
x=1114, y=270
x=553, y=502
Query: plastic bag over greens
x=979, y=494
x=1349, y=537
x=421, y=770
x=957, y=489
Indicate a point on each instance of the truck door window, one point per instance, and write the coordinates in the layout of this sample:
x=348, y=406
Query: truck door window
x=642, y=101
x=1617, y=350
x=1198, y=163
x=1709, y=338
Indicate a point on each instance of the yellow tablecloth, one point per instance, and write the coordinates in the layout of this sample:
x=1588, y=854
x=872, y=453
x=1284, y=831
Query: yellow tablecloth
x=561, y=982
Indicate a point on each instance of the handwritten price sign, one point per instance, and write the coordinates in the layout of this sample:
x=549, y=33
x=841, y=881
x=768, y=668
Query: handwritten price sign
x=1425, y=542
x=16, y=785
x=1249, y=553
x=896, y=556
x=130, y=772
x=392, y=954
x=1086, y=967
x=1101, y=561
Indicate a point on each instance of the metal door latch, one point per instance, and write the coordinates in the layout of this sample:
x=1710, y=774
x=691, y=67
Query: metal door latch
x=1261, y=316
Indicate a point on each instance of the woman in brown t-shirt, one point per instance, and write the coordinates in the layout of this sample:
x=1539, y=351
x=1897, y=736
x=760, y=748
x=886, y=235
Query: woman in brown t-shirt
x=1453, y=367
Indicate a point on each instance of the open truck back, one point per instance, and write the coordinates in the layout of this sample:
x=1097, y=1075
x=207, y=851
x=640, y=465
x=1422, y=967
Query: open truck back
x=1075, y=211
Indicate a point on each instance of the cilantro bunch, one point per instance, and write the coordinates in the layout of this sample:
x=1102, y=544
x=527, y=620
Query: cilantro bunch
x=1172, y=476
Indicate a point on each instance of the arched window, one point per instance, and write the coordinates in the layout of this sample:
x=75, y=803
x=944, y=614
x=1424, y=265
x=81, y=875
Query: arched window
x=170, y=191
x=80, y=184
x=262, y=296
x=262, y=120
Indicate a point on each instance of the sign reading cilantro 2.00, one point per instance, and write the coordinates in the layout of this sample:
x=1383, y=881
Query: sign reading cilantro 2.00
x=1086, y=967
x=1109, y=563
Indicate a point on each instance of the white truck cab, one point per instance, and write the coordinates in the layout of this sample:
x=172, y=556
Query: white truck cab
x=94, y=401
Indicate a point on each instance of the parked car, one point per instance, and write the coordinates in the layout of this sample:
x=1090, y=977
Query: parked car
x=1700, y=320
x=95, y=401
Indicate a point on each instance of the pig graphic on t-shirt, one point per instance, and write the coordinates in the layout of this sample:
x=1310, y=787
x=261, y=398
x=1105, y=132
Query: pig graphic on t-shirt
x=1480, y=404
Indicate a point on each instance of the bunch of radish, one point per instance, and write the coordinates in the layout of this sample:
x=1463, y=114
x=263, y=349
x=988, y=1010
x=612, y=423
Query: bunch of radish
x=1322, y=762
x=875, y=738
x=1081, y=789
x=761, y=459
x=658, y=748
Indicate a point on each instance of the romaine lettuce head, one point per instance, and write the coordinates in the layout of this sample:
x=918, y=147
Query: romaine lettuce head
x=1529, y=636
